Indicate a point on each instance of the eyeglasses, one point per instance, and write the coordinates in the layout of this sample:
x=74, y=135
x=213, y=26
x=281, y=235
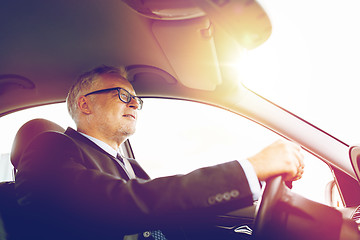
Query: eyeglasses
x=124, y=96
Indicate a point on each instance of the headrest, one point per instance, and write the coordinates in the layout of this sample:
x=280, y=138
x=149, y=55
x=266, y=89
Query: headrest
x=27, y=133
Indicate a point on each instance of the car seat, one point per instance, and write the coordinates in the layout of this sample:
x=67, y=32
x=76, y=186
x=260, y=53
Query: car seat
x=12, y=224
x=27, y=133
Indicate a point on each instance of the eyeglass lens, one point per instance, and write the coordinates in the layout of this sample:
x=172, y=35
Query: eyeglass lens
x=125, y=96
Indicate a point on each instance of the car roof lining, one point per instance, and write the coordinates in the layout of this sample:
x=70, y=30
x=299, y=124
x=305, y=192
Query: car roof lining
x=51, y=43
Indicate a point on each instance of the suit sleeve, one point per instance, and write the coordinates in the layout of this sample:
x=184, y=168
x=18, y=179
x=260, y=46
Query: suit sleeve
x=51, y=176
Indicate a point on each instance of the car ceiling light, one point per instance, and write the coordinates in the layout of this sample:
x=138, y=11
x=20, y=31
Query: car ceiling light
x=166, y=9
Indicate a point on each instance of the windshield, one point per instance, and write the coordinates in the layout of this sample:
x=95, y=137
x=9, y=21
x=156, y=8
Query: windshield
x=310, y=63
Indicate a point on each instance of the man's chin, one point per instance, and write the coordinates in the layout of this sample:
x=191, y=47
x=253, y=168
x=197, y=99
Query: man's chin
x=128, y=132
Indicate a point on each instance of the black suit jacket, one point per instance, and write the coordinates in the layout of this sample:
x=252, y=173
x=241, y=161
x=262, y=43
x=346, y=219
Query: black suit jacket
x=68, y=185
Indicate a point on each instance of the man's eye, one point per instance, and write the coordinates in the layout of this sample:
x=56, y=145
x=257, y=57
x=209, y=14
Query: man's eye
x=124, y=96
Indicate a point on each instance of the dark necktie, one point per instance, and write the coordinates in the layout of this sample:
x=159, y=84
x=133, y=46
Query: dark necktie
x=126, y=165
x=157, y=235
x=118, y=157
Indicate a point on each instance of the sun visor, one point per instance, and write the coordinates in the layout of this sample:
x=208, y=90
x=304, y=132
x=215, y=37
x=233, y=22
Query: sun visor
x=245, y=20
x=189, y=47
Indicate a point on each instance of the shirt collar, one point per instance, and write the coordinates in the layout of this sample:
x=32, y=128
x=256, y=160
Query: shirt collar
x=106, y=147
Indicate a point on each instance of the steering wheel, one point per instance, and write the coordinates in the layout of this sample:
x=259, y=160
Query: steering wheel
x=264, y=220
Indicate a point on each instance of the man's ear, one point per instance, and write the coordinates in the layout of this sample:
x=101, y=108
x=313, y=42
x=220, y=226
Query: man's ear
x=84, y=105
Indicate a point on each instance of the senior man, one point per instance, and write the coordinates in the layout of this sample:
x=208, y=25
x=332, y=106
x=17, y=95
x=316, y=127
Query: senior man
x=75, y=185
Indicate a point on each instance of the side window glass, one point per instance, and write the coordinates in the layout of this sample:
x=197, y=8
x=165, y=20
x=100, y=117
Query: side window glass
x=176, y=137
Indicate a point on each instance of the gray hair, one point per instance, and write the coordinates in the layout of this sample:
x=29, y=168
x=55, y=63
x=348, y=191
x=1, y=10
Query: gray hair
x=84, y=82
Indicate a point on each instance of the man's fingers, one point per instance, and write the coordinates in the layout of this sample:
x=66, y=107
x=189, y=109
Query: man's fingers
x=280, y=158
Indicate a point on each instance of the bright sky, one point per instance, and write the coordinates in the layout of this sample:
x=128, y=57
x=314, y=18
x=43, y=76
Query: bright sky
x=311, y=63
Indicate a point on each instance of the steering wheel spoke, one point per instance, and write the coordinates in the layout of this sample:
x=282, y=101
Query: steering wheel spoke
x=264, y=227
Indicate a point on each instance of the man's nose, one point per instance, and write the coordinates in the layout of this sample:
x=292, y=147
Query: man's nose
x=133, y=104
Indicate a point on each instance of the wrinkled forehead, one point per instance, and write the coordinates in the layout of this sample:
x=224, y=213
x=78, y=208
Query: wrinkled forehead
x=112, y=80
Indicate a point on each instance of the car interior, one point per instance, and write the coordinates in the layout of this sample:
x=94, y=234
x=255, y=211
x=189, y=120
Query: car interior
x=172, y=50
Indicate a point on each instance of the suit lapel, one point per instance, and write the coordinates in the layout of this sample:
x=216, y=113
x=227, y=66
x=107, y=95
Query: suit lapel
x=85, y=143
x=80, y=138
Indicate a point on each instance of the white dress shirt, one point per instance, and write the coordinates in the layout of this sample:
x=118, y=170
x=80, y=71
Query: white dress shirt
x=252, y=178
x=107, y=148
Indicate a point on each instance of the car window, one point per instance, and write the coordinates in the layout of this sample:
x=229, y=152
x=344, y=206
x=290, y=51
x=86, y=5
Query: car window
x=176, y=137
